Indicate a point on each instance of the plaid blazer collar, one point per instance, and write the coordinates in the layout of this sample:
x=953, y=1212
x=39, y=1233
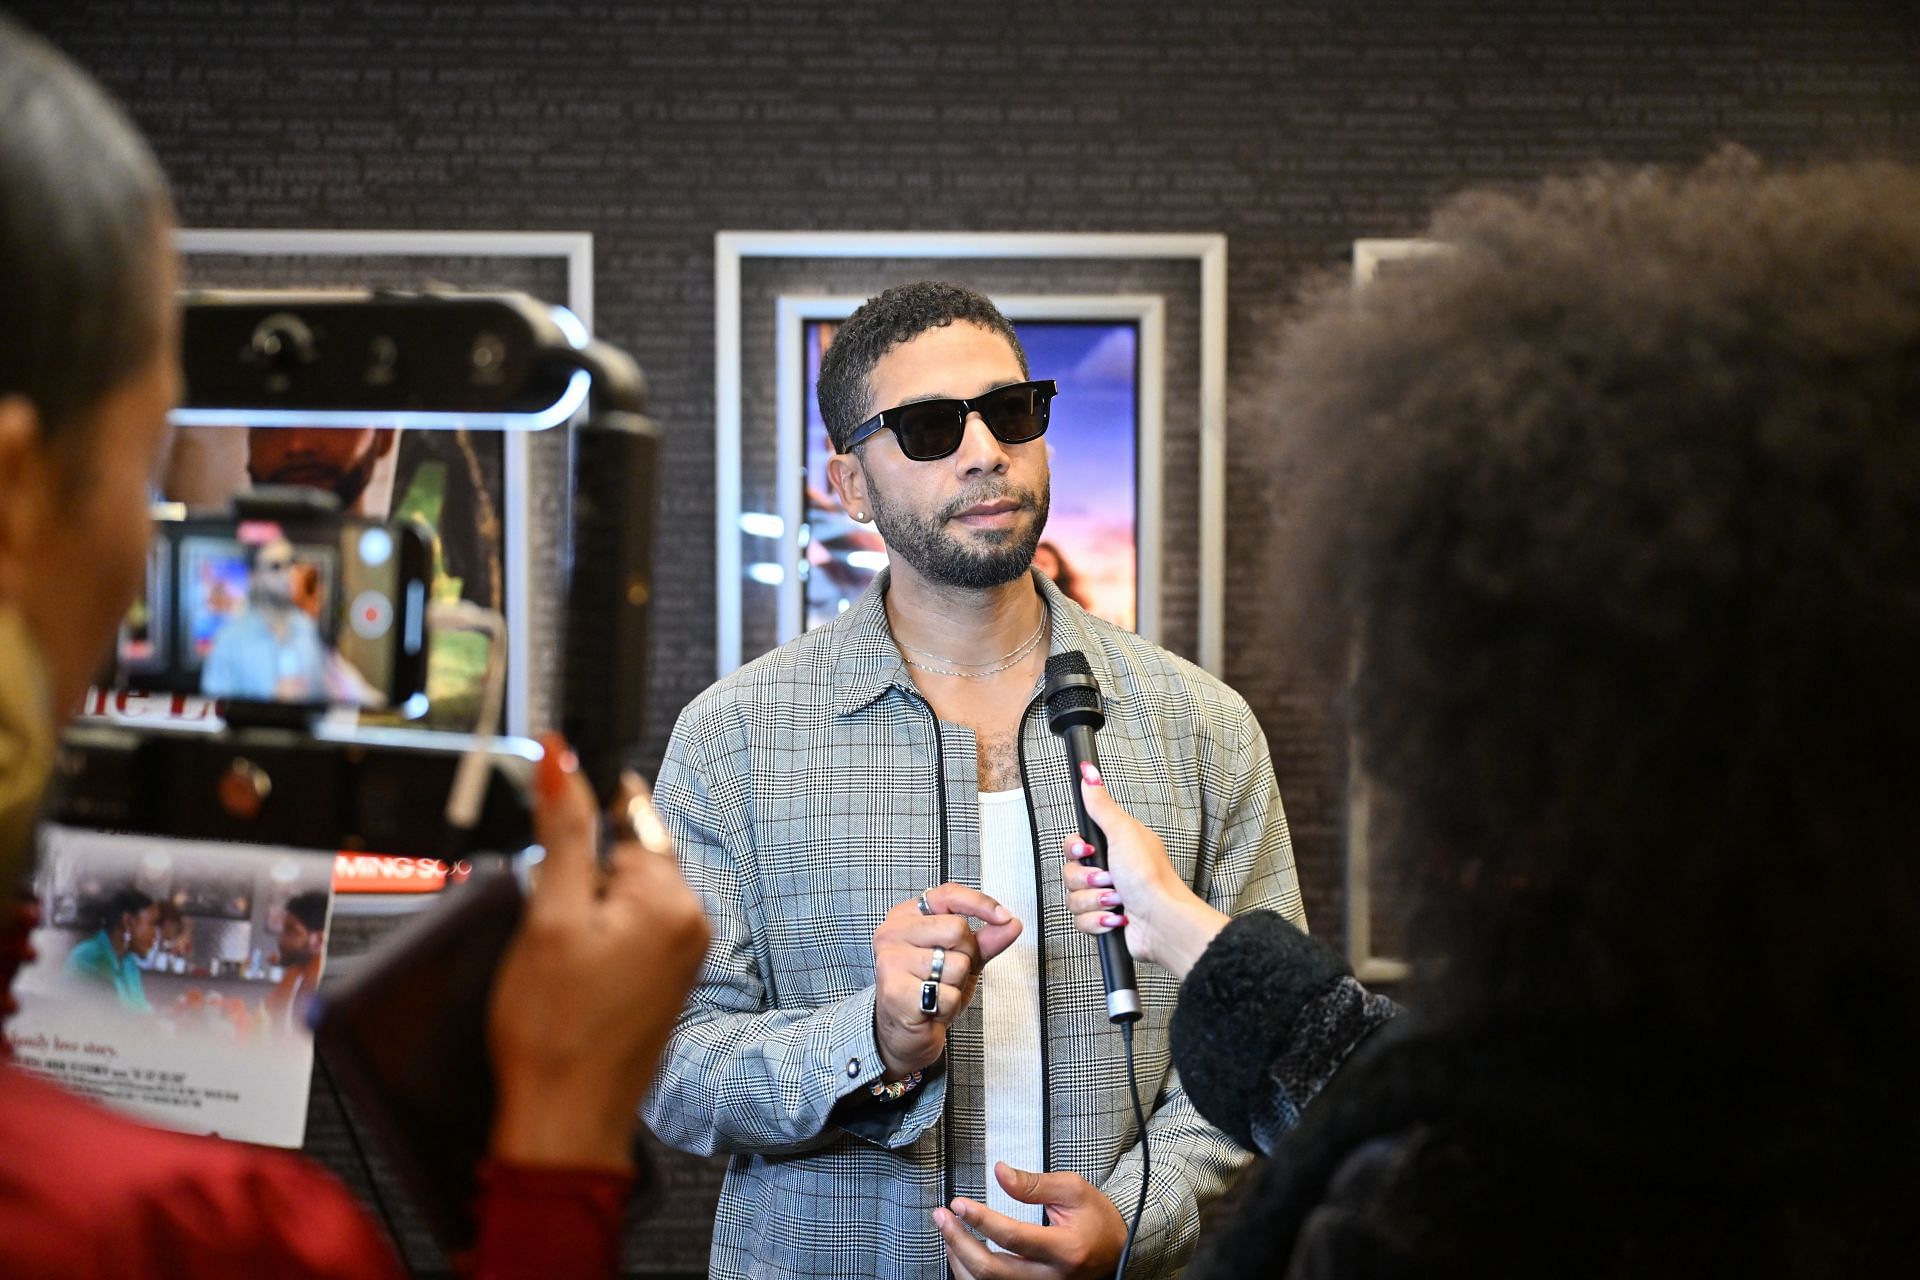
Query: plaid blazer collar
x=867, y=662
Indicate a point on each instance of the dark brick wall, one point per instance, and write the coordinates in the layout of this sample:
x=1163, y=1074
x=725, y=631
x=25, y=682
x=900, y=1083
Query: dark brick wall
x=1293, y=128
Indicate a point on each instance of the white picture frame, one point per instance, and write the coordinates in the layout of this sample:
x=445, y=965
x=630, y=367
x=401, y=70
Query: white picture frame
x=575, y=249
x=1369, y=967
x=1207, y=253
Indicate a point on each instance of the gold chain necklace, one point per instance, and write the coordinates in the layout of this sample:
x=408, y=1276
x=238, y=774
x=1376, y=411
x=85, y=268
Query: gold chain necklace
x=1011, y=660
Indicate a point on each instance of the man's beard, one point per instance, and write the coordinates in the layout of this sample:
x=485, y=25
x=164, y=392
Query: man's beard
x=941, y=557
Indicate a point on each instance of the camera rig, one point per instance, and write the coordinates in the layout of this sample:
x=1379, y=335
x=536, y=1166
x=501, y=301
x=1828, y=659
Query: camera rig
x=428, y=358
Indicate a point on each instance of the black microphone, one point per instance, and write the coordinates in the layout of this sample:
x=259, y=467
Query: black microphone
x=1075, y=712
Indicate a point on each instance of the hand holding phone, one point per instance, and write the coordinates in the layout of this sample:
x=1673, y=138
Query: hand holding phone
x=525, y=1030
x=592, y=984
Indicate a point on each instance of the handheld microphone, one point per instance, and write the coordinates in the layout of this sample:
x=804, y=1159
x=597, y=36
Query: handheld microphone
x=1075, y=712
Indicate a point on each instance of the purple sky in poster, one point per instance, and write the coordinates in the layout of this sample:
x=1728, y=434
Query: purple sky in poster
x=1092, y=449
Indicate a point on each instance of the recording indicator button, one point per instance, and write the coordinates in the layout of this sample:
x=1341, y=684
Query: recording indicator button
x=372, y=615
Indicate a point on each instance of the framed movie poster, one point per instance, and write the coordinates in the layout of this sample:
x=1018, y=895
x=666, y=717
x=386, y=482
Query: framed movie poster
x=1105, y=353
x=491, y=491
x=1132, y=327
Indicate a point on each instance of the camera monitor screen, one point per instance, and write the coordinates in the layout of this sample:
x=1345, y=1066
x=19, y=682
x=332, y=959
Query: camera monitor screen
x=303, y=612
x=449, y=482
x=256, y=617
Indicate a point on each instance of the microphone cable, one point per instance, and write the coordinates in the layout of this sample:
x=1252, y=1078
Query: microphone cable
x=1146, y=1156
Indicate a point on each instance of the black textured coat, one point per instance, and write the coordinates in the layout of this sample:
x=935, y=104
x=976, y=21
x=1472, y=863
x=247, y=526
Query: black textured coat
x=1546, y=1146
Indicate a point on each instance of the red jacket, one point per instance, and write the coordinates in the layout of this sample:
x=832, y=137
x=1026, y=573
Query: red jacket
x=85, y=1192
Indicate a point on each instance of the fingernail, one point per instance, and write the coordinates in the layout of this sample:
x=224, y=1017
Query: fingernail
x=1081, y=849
x=556, y=763
x=1091, y=774
x=1112, y=921
x=1100, y=879
x=1109, y=899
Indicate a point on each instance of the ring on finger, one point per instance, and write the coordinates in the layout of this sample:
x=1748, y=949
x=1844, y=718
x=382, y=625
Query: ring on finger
x=926, y=908
x=929, y=997
x=939, y=965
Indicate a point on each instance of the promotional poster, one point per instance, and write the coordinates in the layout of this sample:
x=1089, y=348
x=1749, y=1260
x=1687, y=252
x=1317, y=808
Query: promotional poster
x=174, y=978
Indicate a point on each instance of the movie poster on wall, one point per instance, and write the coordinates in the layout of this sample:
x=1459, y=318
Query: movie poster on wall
x=173, y=980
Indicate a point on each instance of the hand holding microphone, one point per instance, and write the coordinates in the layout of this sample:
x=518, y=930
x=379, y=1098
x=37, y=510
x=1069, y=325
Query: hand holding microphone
x=1076, y=712
x=1166, y=921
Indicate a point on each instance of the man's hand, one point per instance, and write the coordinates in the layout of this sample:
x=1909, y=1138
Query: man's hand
x=903, y=953
x=1083, y=1236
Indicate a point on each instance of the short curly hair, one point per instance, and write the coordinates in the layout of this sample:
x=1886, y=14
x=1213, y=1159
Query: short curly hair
x=882, y=323
x=1617, y=504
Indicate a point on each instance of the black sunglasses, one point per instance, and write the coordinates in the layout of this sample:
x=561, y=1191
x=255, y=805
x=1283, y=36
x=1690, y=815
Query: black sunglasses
x=929, y=430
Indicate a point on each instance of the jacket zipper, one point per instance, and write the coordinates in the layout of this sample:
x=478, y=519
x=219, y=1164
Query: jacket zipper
x=946, y=874
x=1039, y=943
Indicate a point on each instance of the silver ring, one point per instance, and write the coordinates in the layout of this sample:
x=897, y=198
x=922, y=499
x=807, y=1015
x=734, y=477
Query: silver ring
x=939, y=963
x=929, y=997
x=925, y=908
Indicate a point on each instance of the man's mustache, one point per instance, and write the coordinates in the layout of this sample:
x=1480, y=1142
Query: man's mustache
x=1026, y=499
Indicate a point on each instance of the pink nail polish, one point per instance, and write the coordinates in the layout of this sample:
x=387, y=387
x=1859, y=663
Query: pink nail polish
x=1112, y=921
x=1101, y=880
x=1109, y=899
x=1091, y=774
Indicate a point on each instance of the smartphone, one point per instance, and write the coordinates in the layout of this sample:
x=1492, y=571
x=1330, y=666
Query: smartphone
x=297, y=607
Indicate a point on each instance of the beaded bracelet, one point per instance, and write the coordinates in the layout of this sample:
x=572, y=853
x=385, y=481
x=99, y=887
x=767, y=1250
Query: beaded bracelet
x=894, y=1090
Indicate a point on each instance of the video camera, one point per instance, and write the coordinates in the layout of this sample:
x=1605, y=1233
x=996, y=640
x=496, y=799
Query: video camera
x=285, y=606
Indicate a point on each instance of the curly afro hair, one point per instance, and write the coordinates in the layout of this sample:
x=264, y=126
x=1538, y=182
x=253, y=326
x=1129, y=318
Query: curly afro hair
x=1611, y=513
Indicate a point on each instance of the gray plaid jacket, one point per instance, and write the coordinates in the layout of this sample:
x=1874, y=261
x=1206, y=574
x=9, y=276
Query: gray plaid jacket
x=813, y=791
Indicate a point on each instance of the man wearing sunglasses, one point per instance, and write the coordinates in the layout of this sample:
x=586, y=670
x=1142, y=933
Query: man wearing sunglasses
x=271, y=650
x=877, y=810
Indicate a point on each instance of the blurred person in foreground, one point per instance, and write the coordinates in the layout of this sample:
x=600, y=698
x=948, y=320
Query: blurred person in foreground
x=88, y=370
x=1613, y=512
